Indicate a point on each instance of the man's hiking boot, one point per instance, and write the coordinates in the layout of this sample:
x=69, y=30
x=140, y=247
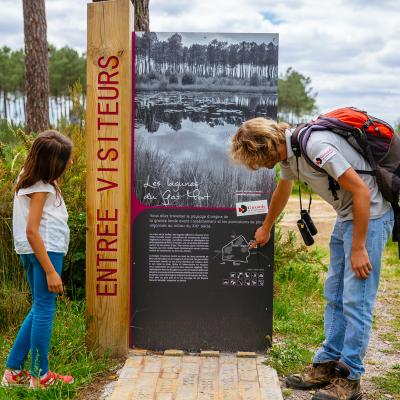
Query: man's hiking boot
x=341, y=388
x=316, y=376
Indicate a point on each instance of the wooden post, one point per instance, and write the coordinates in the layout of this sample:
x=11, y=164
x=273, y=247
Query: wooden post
x=108, y=124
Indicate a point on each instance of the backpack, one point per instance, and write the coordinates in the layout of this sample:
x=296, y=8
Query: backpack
x=373, y=138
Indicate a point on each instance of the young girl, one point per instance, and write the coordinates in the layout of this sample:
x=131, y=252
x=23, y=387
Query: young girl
x=41, y=238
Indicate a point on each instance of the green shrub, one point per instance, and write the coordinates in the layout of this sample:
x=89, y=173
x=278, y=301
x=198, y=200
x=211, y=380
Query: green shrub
x=7, y=129
x=74, y=269
x=14, y=304
x=14, y=145
x=298, y=303
x=289, y=250
x=8, y=257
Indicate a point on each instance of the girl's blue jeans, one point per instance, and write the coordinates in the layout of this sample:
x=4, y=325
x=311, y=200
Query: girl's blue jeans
x=350, y=301
x=35, y=332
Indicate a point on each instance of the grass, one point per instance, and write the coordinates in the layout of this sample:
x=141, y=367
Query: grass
x=68, y=354
x=15, y=299
x=10, y=273
x=7, y=129
x=390, y=382
x=205, y=88
x=298, y=304
x=392, y=258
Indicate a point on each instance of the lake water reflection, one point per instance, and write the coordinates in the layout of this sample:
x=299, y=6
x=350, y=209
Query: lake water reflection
x=185, y=137
x=214, y=108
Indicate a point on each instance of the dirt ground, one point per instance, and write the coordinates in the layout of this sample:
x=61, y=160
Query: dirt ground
x=322, y=215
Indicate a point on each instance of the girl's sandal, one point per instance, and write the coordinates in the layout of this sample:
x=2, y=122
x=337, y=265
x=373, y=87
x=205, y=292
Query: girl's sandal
x=10, y=378
x=50, y=379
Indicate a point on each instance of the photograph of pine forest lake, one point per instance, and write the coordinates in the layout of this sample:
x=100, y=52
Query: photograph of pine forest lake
x=192, y=91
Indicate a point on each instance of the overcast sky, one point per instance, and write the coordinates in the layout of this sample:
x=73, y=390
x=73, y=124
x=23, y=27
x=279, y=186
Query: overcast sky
x=349, y=48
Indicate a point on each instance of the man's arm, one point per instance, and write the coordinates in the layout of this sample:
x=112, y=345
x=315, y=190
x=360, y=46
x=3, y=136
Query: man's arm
x=360, y=193
x=279, y=200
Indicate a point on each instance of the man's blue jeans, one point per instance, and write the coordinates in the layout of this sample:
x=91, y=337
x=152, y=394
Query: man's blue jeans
x=350, y=301
x=35, y=332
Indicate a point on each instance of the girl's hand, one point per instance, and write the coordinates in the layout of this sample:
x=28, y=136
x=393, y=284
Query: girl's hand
x=54, y=282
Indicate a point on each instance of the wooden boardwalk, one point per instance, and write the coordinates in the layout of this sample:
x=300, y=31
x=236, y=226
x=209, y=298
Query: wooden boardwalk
x=206, y=376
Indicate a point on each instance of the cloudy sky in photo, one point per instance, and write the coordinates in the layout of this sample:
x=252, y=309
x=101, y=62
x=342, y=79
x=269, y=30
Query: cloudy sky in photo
x=189, y=38
x=349, y=48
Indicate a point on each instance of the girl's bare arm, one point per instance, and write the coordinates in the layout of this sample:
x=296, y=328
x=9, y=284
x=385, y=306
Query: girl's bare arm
x=54, y=281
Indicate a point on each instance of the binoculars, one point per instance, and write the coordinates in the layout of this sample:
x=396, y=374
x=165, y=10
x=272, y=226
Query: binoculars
x=306, y=227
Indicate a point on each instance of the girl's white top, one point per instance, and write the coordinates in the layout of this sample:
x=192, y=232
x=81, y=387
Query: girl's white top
x=53, y=226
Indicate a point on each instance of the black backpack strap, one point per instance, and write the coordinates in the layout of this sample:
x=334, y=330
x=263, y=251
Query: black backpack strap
x=396, y=227
x=372, y=172
x=298, y=142
x=296, y=145
x=295, y=140
x=333, y=187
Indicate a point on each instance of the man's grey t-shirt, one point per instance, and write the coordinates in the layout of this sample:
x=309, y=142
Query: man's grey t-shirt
x=333, y=154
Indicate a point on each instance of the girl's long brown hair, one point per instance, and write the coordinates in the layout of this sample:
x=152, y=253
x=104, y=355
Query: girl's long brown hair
x=46, y=160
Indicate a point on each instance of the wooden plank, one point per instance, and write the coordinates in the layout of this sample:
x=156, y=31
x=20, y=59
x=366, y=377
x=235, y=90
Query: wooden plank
x=228, y=378
x=157, y=377
x=108, y=174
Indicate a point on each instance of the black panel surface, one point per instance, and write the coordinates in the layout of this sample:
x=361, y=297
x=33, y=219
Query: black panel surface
x=195, y=283
x=231, y=309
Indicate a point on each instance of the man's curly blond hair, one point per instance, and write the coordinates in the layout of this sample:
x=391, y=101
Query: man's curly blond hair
x=256, y=141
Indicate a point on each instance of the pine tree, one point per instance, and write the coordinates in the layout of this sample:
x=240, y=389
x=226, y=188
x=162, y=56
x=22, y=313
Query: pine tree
x=36, y=65
x=141, y=15
x=295, y=96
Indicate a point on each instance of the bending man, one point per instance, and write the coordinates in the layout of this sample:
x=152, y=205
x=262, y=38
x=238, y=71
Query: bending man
x=364, y=223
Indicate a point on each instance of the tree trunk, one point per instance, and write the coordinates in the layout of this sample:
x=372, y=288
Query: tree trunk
x=141, y=15
x=36, y=65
